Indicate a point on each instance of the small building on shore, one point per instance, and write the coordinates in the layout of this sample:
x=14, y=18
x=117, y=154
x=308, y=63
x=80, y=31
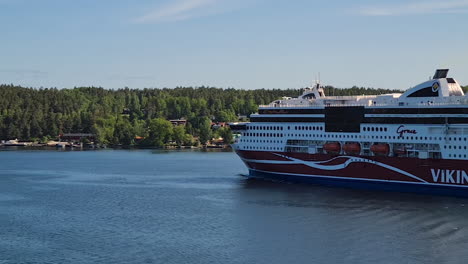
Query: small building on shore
x=218, y=125
x=178, y=122
x=77, y=137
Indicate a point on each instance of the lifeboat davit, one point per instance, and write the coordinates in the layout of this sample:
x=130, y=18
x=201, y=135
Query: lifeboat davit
x=332, y=147
x=380, y=149
x=401, y=151
x=352, y=148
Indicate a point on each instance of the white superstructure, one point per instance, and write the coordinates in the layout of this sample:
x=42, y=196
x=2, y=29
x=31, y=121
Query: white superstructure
x=428, y=121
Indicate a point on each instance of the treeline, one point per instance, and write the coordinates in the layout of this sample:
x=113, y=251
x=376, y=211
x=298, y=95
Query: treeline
x=120, y=116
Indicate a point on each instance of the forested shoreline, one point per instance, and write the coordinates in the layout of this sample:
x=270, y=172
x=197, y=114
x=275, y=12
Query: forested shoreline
x=122, y=115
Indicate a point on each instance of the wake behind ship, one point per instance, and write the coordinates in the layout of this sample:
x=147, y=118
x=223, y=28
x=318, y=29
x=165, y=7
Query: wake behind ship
x=415, y=141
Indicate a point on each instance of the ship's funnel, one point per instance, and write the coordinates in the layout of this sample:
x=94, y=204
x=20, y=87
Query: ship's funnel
x=441, y=74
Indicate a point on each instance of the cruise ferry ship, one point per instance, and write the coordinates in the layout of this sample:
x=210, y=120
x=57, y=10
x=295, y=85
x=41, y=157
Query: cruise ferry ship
x=415, y=141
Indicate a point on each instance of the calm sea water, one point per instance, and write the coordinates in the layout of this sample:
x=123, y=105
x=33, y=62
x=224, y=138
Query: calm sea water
x=142, y=206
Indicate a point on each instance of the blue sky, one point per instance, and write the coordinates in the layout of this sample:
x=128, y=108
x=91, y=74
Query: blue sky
x=244, y=44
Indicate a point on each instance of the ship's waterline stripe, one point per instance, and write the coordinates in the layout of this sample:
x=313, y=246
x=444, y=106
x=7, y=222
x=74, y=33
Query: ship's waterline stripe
x=361, y=179
x=317, y=165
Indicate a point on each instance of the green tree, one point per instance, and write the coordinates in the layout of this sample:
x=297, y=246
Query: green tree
x=226, y=116
x=179, y=135
x=205, y=130
x=226, y=134
x=465, y=89
x=160, y=132
x=123, y=132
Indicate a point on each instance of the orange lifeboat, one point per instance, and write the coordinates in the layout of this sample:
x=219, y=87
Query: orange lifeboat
x=380, y=149
x=352, y=148
x=332, y=147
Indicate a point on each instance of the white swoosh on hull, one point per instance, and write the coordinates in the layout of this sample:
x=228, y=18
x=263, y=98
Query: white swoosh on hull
x=318, y=165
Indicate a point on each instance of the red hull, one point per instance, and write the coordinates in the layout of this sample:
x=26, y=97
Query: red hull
x=428, y=172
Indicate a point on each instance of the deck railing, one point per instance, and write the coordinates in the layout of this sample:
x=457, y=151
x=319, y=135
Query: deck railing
x=460, y=102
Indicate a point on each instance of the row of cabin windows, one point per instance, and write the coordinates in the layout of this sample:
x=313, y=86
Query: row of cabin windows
x=263, y=134
x=266, y=128
x=455, y=155
x=277, y=128
x=260, y=141
x=318, y=128
x=262, y=148
x=352, y=136
x=375, y=129
x=455, y=147
x=311, y=128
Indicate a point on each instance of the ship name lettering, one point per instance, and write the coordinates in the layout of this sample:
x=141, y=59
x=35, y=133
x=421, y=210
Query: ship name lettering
x=449, y=176
x=401, y=131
